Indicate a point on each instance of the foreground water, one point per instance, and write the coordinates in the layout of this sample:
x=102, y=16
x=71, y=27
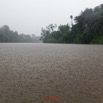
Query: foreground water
x=34, y=73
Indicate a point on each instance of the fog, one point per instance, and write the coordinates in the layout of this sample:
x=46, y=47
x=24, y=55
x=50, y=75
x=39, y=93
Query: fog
x=29, y=16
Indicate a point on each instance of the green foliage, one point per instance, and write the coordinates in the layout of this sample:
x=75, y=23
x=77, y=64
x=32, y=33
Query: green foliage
x=88, y=28
x=7, y=35
x=98, y=40
x=58, y=36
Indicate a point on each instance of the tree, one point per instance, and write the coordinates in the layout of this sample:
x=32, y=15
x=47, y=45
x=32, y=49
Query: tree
x=71, y=16
x=88, y=28
x=7, y=35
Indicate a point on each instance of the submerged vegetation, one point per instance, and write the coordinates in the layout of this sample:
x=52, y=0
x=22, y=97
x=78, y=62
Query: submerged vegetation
x=87, y=29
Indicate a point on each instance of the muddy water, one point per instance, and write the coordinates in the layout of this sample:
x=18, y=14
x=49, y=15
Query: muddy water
x=34, y=73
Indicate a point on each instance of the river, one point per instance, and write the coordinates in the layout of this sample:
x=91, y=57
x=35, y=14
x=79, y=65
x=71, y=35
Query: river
x=37, y=72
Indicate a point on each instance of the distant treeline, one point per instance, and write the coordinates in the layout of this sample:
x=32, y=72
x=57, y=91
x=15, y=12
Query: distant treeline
x=7, y=35
x=85, y=28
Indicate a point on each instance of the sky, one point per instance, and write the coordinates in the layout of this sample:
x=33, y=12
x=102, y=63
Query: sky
x=29, y=16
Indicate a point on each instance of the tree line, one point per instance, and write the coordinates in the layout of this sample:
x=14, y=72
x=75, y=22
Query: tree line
x=86, y=29
x=7, y=35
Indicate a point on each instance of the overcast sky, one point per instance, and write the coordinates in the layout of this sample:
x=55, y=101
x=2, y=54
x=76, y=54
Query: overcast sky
x=29, y=16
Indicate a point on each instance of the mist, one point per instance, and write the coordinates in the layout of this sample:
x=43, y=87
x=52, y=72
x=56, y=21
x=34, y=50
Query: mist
x=29, y=16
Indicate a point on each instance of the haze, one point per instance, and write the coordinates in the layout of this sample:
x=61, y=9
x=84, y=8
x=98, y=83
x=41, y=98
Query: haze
x=29, y=16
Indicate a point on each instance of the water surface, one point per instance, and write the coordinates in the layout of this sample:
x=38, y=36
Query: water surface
x=29, y=71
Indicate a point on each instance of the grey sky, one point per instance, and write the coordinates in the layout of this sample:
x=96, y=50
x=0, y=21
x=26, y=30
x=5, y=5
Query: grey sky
x=29, y=16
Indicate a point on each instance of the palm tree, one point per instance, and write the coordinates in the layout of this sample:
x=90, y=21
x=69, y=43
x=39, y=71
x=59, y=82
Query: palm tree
x=71, y=16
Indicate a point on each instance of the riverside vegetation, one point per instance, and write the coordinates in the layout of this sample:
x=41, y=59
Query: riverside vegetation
x=86, y=29
x=7, y=35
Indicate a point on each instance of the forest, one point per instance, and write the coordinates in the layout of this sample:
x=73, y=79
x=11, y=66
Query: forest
x=7, y=35
x=86, y=28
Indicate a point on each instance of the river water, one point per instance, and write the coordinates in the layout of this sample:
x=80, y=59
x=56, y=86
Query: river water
x=34, y=73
